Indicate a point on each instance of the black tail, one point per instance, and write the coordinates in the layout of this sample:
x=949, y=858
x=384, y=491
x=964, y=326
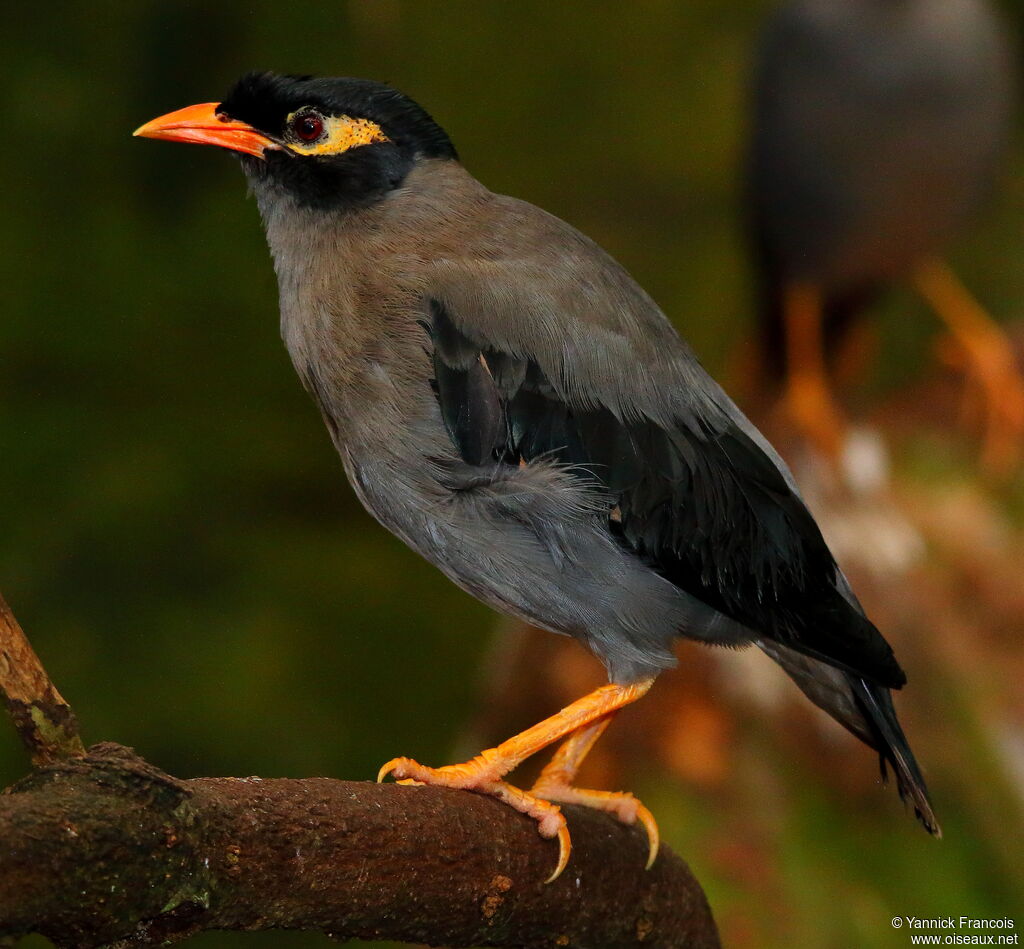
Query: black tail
x=875, y=704
x=865, y=709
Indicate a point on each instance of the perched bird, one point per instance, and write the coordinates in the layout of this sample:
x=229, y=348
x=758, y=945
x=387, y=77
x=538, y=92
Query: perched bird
x=877, y=130
x=514, y=407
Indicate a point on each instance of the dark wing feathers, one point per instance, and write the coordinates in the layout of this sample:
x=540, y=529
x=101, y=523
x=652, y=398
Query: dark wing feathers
x=699, y=499
x=470, y=402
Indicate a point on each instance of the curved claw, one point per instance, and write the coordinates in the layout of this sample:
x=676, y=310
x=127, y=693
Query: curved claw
x=580, y=724
x=564, y=849
x=399, y=766
x=653, y=834
x=620, y=804
x=388, y=768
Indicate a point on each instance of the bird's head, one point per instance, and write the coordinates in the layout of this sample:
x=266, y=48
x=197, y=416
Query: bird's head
x=325, y=143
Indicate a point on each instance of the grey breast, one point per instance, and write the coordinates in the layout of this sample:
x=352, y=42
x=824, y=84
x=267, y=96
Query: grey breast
x=532, y=541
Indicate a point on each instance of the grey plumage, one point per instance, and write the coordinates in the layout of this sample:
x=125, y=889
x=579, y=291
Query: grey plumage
x=511, y=404
x=528, y=540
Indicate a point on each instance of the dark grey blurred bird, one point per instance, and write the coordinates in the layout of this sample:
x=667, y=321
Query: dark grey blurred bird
x=509, y=402
x=878, y=127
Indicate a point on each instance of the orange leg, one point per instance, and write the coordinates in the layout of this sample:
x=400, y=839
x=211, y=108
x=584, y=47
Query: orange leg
x=808, y=397
x=991, y=363
x=857, y=350
x=484, y=773
x=555, y=784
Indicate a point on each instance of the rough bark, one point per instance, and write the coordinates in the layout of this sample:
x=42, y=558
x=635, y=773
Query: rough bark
x=44, y=721
x=108, y=848
x=103, y=848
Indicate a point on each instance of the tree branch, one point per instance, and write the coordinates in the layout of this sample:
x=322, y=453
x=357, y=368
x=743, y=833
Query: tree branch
x=109, y=848
x=44, y=721
x=105, y=849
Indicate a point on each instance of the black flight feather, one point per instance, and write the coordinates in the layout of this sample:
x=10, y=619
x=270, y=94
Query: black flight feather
x=708, y=509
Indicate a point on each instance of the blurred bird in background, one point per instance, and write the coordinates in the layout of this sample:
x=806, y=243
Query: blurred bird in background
x=877, y=129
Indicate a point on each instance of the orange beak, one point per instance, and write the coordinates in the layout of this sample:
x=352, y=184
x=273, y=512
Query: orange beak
x=203, y=125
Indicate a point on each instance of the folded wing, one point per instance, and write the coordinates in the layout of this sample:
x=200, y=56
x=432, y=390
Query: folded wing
x=689, y=489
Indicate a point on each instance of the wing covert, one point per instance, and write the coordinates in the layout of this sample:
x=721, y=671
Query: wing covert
x=692, y=488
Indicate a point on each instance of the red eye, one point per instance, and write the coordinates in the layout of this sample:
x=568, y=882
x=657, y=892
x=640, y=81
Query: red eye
x=308, y=126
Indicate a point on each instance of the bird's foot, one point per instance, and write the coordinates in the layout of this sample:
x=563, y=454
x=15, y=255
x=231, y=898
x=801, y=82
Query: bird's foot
x=483, y=774
x=996, y=387
x=994, y=396
x=621, y=804
x=808, y=399
x=583, y=720
x=814, y=413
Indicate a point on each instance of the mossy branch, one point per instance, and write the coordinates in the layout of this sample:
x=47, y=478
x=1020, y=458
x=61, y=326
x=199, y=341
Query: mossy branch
x=105, y=849
x=44, y=721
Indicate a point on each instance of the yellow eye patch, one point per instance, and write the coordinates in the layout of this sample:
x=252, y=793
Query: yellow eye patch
x=341, y=132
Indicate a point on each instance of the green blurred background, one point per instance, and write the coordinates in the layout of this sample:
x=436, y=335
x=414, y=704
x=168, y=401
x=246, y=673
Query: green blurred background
x=178, y=538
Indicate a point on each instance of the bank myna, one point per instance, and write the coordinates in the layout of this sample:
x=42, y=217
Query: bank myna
x=514, y=407
x=877, y=129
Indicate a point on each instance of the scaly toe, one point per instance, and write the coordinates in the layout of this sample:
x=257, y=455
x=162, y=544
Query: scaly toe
x=478, y=775
x=620, y=804
x=549, y=817
x=550, y=820
x=393, y=766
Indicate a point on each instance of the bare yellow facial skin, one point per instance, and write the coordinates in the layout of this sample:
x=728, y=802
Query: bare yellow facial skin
x=341, y=133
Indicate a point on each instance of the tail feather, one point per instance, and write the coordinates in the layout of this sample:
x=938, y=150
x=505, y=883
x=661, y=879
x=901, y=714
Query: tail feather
x=866, y=710
x=893, y=749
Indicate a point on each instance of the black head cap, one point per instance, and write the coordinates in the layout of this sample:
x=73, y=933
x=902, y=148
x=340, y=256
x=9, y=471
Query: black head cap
x=351, y=176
